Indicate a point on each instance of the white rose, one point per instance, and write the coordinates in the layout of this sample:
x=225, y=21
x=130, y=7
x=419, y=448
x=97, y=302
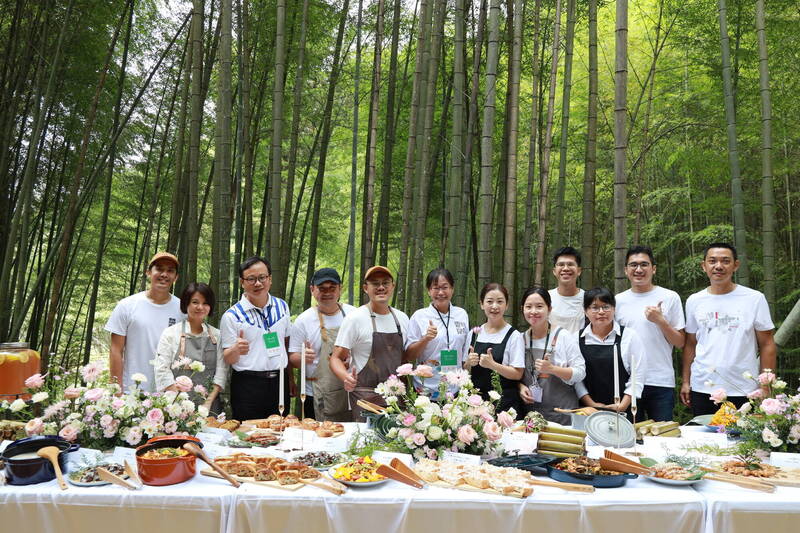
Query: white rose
x=202, y=410
x=435, y=433
x=139, y=377
x=17, y=405
x=421, y=401
x=39, y=397
x=780, y=384
x=747, y=375
x=494, y=395
x=197, y=366
x=745, y=408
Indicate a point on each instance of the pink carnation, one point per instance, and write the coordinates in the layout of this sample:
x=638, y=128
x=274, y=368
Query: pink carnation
x=34, y=426
x=170, y=427
x=91, y=372
x=758, y=393
x=772, y=406
x=418, y=438
x=201, y=390
x=409, y=419
x=117, y=403
x=68, y=432
x=93, y=395
x=505, y=419
x=35, y=381
x=492, y=430
x=466, y=434
x=765, y=378
x=183, y=383
x=106, y=421
x=70, y=393
x=719, y=395
x=405, y=370
x=475, y=400
x=423, y=371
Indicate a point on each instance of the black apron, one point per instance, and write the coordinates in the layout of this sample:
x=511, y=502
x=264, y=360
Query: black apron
x=555, y=393
x=599, y=380
x=482, y=377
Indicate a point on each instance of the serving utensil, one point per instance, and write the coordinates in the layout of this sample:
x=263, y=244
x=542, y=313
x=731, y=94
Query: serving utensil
x=744, y=483
x=109, y=476
x=51, y=453
x=195, y=450
x=371, y=407
x=133, y=475
x=387, y=471
x=324, y=483
x=573, y=487
x=618, y=466
x=400, y=466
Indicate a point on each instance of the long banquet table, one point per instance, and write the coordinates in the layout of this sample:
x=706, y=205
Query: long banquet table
x=211, y=505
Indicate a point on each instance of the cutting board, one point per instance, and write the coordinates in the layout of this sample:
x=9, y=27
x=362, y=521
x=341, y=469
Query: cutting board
x=274, y=484
x=784, y=477
x=520, y=493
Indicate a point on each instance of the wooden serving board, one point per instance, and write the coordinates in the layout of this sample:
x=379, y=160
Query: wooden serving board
x=274, y=484
x=470, y=488
x=784, y=477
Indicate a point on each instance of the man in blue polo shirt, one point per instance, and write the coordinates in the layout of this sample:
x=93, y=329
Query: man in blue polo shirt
x=254, y=334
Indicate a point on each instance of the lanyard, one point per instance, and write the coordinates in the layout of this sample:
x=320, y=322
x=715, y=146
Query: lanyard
x=544, y=350
x=264, y=316
x=446, y=324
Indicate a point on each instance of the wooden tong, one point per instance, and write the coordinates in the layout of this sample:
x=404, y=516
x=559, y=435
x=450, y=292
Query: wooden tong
x=574, y=487
x=580, y=410
x=133, y=475
x=106, y=475
x=371, y=407
x=195, y=450
x=326, y=484
x=392, y=472
x=620, y=463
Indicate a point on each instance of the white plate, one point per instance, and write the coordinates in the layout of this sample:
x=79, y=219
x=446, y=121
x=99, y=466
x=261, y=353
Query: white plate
x=675, y=482
x=332, y=469
x=98, y=483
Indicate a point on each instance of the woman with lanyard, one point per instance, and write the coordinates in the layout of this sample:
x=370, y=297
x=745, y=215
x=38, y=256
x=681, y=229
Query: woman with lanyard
x=553, y=361
x=437, y=334
x=614, y=356
x=194, y=340
x=497, y=347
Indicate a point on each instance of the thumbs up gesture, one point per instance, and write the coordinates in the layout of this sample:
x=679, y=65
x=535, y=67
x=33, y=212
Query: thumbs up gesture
x=431, y=332
x=242, y=346
x=486, y=360
x=352, y=379
x=654, y=313
x=309, y=353
x=472, y=358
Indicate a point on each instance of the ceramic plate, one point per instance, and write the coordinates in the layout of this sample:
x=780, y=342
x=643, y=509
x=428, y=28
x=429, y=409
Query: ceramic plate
x=98, y=483
x=675, y=482
x=332, y=469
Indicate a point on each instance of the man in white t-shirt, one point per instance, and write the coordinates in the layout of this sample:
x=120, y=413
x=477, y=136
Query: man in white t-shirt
x=567, y=298
x=729, y=335
x=136, y=323
x=253, y=334
x=372, y=340
x=656, y=314
x=324, y=401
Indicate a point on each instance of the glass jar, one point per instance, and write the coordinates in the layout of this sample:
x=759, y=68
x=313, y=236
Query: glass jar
x=17, y=363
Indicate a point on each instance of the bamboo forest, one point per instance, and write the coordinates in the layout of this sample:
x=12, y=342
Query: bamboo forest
x=478, y=135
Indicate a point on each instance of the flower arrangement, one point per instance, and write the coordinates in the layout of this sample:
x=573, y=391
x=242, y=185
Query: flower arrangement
x=98, y=416
x=459, y=420
x=770, y=420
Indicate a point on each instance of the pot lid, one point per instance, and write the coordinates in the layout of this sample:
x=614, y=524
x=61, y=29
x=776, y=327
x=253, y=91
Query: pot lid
x=610, y=429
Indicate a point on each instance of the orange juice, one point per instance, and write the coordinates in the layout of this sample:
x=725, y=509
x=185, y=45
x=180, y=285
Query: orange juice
x=17, y=363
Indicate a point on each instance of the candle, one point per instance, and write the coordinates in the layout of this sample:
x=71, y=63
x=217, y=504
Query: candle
x=616, y=374
x=303, y=371
x=280, y=391
x=633, y=381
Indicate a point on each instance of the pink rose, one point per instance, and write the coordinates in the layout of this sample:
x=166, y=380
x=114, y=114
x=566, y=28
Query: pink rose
x=93, y=395
x=106, y=421
x=409, y=419
x=765, y=378
x=418, y=438
x=756, y=394
x=70, y=393
x=34, y=426
x=405, y=370
x=492, y=430
x=68, y=432
x=147, y=404
x=466, y=434
x=184, y=383
x=170, y=427
x=432, y=454
x=505, y=419
x=772, y=406
x=91, y=372
x=424, y=371
x=486, y=417
x=35, y=381
x=201, y=390
x=718, y=396
x=475, y=400
x=155, y=416
x=118, y=403
x=405, y=432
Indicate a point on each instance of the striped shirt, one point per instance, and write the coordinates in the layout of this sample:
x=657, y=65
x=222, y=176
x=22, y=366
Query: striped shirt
x=255, y=322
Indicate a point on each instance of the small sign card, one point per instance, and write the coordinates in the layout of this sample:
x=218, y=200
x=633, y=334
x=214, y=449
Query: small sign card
x=386, y=457
x=298, y=439
x=461, y=458
x=215, y=450
x=212, y=438
x=122, y=454
x=696, y=438
x=518, y=442
x=785, y=460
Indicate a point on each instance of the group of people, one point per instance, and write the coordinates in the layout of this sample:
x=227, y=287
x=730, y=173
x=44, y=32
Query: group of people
x=589, y=348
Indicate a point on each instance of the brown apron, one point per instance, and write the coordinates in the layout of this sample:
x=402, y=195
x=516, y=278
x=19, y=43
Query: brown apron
x=385, y=356
x=330, y=398
x=555, y=393
x=200, y=349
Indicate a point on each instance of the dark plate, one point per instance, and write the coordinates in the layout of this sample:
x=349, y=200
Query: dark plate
x=532, y=462
x=595, y=480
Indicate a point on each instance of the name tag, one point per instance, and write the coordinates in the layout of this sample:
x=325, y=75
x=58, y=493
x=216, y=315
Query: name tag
x=536, y=393
x=448, y=360
x=272, y=344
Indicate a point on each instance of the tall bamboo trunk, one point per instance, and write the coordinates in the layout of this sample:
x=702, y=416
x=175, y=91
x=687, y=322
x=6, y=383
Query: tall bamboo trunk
x=189, y=263
x=620, y=144
x=453, y=206
x=532, y=148
x=510, y=251
x=558, y=227
x=590, y=166
x=276, y=181
x=351, y=241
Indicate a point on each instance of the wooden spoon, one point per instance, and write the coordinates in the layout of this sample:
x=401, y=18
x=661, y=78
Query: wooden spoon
x=51, y=452
x=195, y=450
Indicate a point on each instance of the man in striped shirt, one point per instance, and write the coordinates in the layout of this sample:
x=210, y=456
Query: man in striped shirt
x=254, y=335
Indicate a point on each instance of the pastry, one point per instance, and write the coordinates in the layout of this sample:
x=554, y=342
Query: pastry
x=288, y=477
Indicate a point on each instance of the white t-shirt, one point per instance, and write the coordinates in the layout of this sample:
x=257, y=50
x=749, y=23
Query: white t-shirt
x=567, y=353
x=141, y=322
x=630, y=347
x=452, y=326
x=567, y=311
x=255, y=322
x=514, y=354
x=306, y=328
x=725, y=326
x=355, y=334
x=658, y=350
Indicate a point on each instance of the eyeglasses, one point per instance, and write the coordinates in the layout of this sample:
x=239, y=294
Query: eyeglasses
x=385, y=283
x=566, y=264
x=642, y=265
x=598, y=308
x=251, y=280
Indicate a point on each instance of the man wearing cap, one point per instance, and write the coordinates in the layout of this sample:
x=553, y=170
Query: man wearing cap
x=313, y=335
x=371, y=339
x=136, y=323
x=253, y=335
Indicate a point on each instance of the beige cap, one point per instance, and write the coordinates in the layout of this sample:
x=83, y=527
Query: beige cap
x=163, y=255
x=378, y=269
